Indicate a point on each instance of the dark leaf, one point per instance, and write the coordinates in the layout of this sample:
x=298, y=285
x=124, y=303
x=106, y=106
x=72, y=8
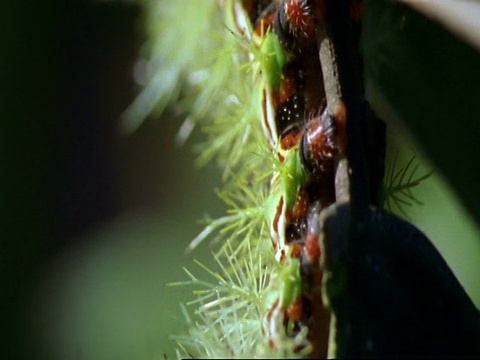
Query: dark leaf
x=391, y=292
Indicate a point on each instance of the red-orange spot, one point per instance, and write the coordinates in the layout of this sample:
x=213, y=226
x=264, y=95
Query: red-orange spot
x=295, y=310
x=341, y=112
x=300, y=208
x=290, y=140
x=312, y=248
x=288, y=87
x=341, y=123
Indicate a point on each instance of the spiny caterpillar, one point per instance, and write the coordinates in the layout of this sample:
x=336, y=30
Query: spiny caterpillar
x=279, y=141
x=303, y=138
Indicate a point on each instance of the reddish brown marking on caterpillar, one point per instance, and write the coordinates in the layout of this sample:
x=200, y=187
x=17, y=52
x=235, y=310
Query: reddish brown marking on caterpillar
x=341, y=112
x=270, y=313
x=288, y=87
x=294, y=311
x=277, y=215
x=318, y=332
x=312, y=248
x=296, y=251
x=301, y=206
x=269, y=320
x=274, y=244
x=318, y=316
x=341, y=124
x=290, y=140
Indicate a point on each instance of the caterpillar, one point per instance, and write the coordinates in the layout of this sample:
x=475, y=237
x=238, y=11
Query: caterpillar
x=306, y=138
x=311, y=136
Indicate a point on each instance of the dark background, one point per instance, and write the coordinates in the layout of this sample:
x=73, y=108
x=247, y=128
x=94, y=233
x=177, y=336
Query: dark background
x=65, y=80
x=66, y=77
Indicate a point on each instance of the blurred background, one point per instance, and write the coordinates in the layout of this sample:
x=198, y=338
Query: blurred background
x=94, y=223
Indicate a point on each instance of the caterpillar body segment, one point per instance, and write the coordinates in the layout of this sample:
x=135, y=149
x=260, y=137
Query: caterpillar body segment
x=305, y=140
